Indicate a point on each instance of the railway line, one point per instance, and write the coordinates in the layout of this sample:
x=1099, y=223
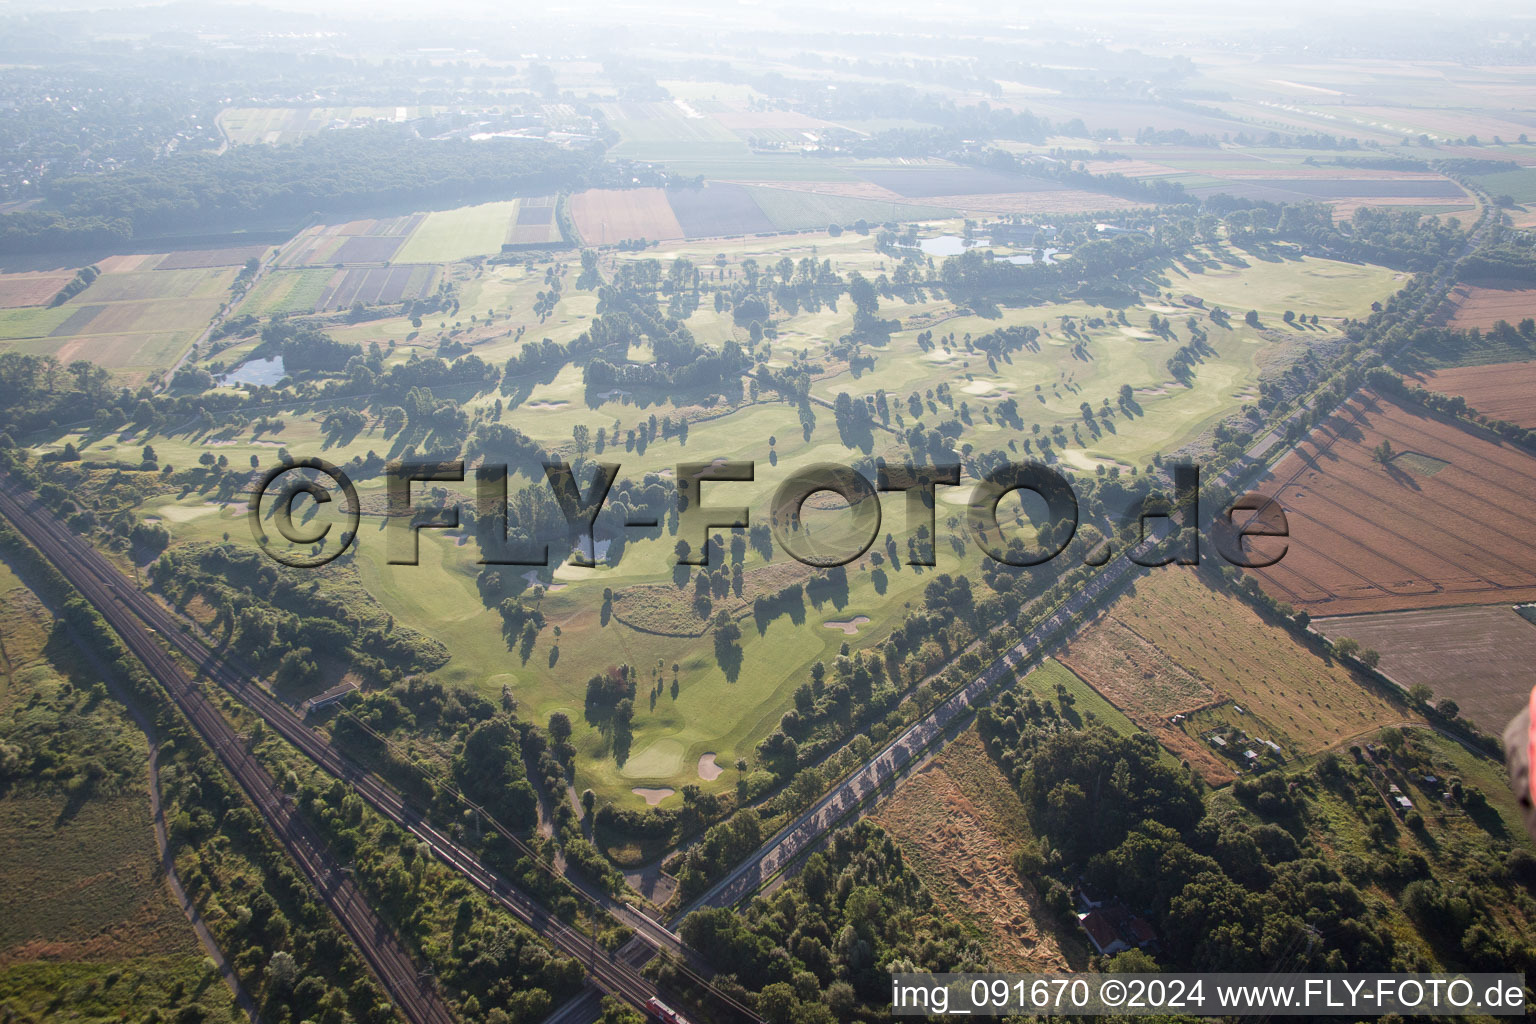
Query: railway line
x=396, y=970
x=142, y=623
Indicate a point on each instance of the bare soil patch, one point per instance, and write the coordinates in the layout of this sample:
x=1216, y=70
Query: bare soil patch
x=1368, y=537
x=1486, y=303
x=607, y=216
x=1479, y=657
x=1500, y=391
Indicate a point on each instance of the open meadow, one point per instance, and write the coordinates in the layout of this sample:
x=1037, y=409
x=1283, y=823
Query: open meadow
x=958, y=822
x=90, y=930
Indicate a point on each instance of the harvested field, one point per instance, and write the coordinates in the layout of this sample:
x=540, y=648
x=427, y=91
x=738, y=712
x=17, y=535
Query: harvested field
x=1500, y=391
x=1368, y=537
x=535, y=222
x=158, y=284
x=607, y=216
x=929, y=182
x=195, y=259
x=368, y=249
x=1162, y=649
x=1345, y=188
x=842, y=189
x=958, y=822
x=1479, y=657
x=1486, y=303
x=718, y=209
x=792, y=209
x=1059, y=200
x=30, y=289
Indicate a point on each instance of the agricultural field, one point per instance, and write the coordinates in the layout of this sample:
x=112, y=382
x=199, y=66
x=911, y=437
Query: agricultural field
x=1519, y=185
x=717, y=209
x=1500, y=391
x=447, y=235
x=796, y=209
x=1157, y=656
x=130, y=320
x=1484, y=304
x=1445, y=521
x=1479, y=657
x=536, y=222
x=958, y=822
x=607, y=216
x=36, y=288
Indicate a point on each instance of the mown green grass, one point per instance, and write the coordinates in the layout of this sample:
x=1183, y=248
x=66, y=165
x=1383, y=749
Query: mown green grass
x=287, y=291
x=1085, y=699
x=31, y=321
x=711, y=713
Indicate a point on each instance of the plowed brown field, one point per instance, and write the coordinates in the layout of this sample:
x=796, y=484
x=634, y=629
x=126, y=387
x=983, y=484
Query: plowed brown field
x=1479, y=657
x=1483, y=305
x=1368, y=537
x=1500, y=391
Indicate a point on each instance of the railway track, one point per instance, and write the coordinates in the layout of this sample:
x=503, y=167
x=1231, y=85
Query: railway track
x=140, y=619
x=389, y=961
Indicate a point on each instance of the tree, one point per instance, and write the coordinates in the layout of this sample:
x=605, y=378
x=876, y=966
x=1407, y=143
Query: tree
x=1447, y=707
x=1251, y=318
x=1370, y=657
x=588, y=801
x=1419, y=693
x=282, y=971
x=581, y=434
x=1382, y=453
x=616, y=1012
x=1346, y=647
x=560, y=726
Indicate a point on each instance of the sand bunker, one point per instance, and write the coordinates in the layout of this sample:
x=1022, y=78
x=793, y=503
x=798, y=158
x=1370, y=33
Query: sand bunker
x=851, y=626
x=532, y=576
x=709, y=769
x=652, y=796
